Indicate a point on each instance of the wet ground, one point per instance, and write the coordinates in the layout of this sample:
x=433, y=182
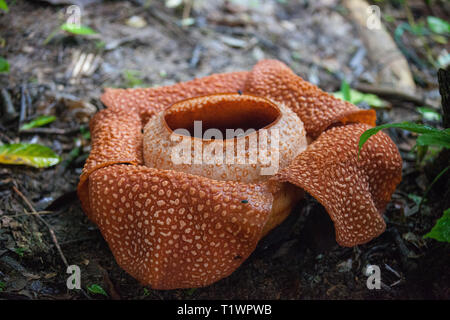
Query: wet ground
x=298, y=260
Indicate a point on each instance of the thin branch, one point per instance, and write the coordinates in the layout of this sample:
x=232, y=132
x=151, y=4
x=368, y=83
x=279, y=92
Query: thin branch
x=50, y=229
x=27, y=213
x=431, y=185
x=23, y=105
x=395, y=94
x=9, y=113
x=52, y=130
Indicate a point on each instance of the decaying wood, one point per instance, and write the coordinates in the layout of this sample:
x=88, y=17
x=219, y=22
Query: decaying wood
x=392, y=93
x=394, y=71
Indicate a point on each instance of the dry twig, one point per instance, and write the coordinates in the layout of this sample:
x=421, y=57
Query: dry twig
x=50, y=229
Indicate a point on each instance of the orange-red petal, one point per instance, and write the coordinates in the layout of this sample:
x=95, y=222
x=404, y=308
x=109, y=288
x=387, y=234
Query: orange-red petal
x=354, y=192
x=148, y=101
x=316, y=108
x=116, y=138
x=176, y=230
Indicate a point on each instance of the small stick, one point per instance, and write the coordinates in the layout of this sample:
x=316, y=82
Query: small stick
x=28, y=97
x=406, y=253
x=394, y=94
x=70, y=242
x=52, y=130
x=9, y=113
x=196, y=54
x=23, y=105
x=27, y=213
x=110, y=286
x=392, y=270
x=187, y=9
x=51, y=231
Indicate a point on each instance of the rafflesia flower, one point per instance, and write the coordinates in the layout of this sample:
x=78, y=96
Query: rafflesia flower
x=188, y=224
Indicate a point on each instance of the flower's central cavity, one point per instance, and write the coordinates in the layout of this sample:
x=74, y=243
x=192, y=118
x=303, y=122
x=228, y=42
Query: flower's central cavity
x=222, y=113
x=228, y=137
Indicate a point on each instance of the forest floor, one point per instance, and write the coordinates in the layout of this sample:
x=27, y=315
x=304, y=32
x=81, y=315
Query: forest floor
x=298, y=260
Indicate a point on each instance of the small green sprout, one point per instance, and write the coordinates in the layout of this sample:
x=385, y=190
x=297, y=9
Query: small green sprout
x=95, y=288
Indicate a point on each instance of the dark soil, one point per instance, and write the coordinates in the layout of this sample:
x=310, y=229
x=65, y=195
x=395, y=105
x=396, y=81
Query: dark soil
x=298, y=260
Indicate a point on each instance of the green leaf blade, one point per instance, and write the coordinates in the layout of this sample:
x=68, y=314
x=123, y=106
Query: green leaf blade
x=366, y=135
x=4, y=65
x=4, y=6
x=432, y=139
x=95, y=288
x=345, y=89
x=77, y=29
x=354, y=96
x=38, y=122
x=442, y=135
x=441, y=230
x=33, y=155
x=438, y=25
x=429, y=114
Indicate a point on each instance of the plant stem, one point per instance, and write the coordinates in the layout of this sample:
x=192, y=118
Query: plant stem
x=431, y=185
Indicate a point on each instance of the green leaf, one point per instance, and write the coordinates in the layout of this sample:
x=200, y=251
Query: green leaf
x=4, y=6
x=438, y=25
x=418, y=29
x=85, y=133
x=345, y=90
x=20, y=251
x=443, y=135
x=421, y=153
x=388, y=18
x=372, y=100
x=4, y=65
x=439, y=39
x=430, y=139
x=417, y=199
x=441, y=230
x=356, y=97
x=190, y=291
x=38, y=122
x=33, y=155
x=95, y=288
x=187, y=22
x=429, y=114
x=77, y=29
x=133, y=78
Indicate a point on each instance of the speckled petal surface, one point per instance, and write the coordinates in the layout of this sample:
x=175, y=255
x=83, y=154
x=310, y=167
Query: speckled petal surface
x=116, y=138
x=148, y=101
x=354, y=192
x=175, y=230
x=316, y=108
